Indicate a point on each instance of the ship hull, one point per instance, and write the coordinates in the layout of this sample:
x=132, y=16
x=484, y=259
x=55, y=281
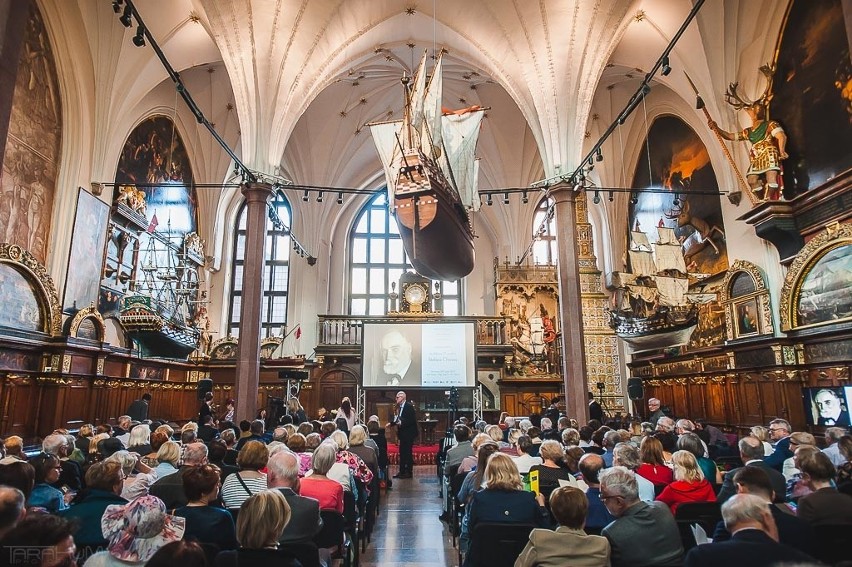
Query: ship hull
x=155, y=336
x=434, y=227
x=658, y=331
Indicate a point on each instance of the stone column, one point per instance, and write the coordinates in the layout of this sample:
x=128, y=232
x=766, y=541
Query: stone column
x=248, y=354
x=570, y=303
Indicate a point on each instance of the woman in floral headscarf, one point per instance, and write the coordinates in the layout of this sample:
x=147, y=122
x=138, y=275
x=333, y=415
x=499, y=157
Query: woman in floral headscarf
x=135, y=532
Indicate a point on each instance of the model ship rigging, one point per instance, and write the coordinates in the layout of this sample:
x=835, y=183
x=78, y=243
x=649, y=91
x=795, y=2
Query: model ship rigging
x=431, y=173
x=161, y=314
x=653, y=306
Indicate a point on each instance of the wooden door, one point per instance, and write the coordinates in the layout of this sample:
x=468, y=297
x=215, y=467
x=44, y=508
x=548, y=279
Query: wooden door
x=334, y=386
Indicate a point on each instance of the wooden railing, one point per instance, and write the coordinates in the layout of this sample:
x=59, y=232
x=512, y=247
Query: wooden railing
x=347, y=330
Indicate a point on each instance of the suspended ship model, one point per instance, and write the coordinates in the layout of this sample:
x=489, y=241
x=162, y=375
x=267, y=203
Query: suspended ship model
x=653, y=308
x=431, y=172
x=158, y=315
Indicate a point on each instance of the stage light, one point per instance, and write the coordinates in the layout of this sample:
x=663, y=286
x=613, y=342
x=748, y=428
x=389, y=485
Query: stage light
x=505, y=198
x=488, y=200
x=599, y=155
x=525, y=198
x=139, y=38
x=340, y=198
x=591, y=161
x=611, y=197
x=116, y=6
x=597, y=198
x=666, y=67
x=126, y=18
x=305, y=196
x=319, y=197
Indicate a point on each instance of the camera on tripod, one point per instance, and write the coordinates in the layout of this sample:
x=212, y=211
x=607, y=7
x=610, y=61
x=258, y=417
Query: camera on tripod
x=453, y=398
x=601, y=386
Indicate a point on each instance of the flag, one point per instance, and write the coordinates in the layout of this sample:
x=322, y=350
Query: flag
x=298, y=332
x=154, y=222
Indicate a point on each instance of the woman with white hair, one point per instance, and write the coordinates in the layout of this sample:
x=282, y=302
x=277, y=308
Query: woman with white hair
x=135, y=483
x=318, y=485
x=358, y=439
x=356, y=464
x=689, y=484
x=140, y=440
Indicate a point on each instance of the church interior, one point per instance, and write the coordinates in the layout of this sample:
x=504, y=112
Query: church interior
x=195, y=199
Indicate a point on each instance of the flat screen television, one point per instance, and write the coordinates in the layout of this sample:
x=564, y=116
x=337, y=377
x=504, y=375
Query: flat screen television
x=418, y=355
x=827, y=406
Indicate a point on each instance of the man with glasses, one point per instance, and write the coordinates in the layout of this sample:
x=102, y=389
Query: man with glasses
x=656, y=410
x=643, y=533
x=779, y=433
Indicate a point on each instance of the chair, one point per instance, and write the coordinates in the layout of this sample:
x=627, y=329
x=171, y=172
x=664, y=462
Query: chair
x=457, y=508
x=451, y=471
x=497, y=545
x=352, y=515
x=333, y=536
x=832, y=543
x=706, y=514
x=306, y=552
x=658, y=489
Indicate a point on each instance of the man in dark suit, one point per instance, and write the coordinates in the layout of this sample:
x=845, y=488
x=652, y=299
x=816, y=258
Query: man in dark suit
x=595, y=409
x=792, y=531
x=169, y=488
x=405, y=421
x=779, y=433
x=207, y=432
x=400, y=363
x=138, y=410
x=829, y=404
x=305, y=522
x=753, y=541
x=751, y=454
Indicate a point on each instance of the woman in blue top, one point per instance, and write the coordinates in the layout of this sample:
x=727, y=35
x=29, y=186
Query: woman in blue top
x=211, y=526
x=47, y=468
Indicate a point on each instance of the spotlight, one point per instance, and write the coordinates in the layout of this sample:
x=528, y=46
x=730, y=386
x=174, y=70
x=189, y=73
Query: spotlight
x=340, y=198
x=591, y=161
x=305, y=196
x=599, y=155
x=578, y=186
x=319, y=197
x=597, y=198
x=139, y=38
x=666, y=67
x=611, y=197
x=116, y=6
x=505, y=198
x=525, y=198
x=488, y=200
x=634, y=200
x=676, y=201
x=126, y=16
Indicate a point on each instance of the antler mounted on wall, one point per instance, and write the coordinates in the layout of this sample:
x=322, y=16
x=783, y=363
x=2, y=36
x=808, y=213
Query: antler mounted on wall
x=739, y=101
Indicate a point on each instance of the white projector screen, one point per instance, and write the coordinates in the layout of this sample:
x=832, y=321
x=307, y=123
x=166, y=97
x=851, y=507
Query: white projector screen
x=418, y=355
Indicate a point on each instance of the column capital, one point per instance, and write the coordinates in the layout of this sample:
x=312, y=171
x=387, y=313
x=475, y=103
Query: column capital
x=256, y=191
x=563, y=191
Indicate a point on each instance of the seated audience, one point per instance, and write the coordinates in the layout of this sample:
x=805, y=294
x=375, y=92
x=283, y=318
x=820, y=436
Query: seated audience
x=779, y=434
x=12, y=508
x=668, y=440
x=13, y=448
x=216, y=452
x=104, y=482
x=238, y=487
x=305, y=522
x=473, y=482
x=136, y=531
x=43, y=495
x=798, y=439
x=832, y=448
x=689, y=484
x=627, y=456
x=71, y=474
x=138, y=478
x=262, y=519
x=84, y=436
x=751, y=454
x=51, y=537
x=844, y=471
x=158, y=438
x=598, y=514
x=183, y=553
x=168, y=457
x=762, y=434
x=525, y=458
x=209, y=524
x=753, y=538
x=297, y=443
x=328, y=492
x=643, y=533
x=825, y=505
x=653, y=465
x=169, y=489
x=569, y=544
x=140, y=440
x=552, y=469
x=358, y=439
x=356, y=465
x=692, y=443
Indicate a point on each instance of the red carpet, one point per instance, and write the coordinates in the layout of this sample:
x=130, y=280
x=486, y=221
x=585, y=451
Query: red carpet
x=423, y=454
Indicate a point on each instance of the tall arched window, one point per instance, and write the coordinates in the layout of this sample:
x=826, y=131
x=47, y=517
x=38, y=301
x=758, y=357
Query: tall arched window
x=276, y=273
x=544, y=247
x=377, y=258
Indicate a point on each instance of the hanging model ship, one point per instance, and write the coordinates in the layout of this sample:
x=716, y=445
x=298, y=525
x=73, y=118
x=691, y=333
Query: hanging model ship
x=431, y=172
x=653, y=306
x=160, y=314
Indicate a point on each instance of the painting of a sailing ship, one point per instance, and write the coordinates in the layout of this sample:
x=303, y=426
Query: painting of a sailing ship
x=431, y=174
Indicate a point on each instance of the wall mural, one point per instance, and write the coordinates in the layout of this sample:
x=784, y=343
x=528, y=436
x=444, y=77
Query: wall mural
x=679, y=163
x=85, y=261
x=813, y=94
x=30, y=163
x=19, y=307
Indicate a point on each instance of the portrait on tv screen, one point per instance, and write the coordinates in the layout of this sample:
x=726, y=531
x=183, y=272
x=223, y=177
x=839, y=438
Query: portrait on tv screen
x=828, y=406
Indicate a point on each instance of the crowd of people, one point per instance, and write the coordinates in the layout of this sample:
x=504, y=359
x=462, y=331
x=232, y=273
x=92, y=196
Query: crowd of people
x=609, y=494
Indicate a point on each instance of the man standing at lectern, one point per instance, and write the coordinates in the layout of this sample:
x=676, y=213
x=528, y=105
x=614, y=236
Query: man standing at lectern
x=405, y=421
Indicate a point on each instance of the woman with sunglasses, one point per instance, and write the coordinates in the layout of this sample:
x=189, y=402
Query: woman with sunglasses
x=47, y=469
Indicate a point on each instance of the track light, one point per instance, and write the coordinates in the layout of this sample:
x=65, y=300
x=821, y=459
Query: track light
x=525, y=198
x=319, y=197
x=505, y=198
x=340, y=198
x=591, y=161
x=597, y=198
x=139, y=38
x=599, y=155
x=634, y=200
x=578, y=186
x=611, y=197
x=305, y=196
x=488, y=200
x=676, y=201
x=116, y=6
x=666, y=67
x=126, y=16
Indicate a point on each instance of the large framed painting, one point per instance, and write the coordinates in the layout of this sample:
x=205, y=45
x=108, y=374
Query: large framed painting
x=85, y=263
x=824, y=293
x=813, y=58
x=746, y=323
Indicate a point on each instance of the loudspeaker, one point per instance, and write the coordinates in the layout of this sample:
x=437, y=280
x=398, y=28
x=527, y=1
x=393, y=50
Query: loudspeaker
x=290, y=374
x=635, y=391
x=204, y=385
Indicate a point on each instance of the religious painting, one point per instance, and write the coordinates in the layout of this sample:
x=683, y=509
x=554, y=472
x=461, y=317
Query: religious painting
x=824, y=293
x=17, y=360
x=746, y=323
x=146, y=372
x=85, y=261
x=813, y=94
x=674, y=161
x=31, y=156
x=19, y=303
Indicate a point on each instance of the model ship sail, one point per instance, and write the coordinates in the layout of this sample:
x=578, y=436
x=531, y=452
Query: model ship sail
x=431, y=173
x=159, y=314
x=653, y=308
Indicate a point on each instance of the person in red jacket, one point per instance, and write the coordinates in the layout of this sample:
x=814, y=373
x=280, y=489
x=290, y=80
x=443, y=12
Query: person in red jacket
x=689, y=484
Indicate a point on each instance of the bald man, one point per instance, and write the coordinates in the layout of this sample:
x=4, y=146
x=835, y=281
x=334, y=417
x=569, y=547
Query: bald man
x=400, y=363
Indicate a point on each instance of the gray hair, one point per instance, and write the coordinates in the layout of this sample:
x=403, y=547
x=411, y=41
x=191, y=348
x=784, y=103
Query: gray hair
x=612, y=438
x=228, y=436
x=284, y=466
x=647, y=427
x=12, y=502
x=665, y=424
x=195, y=454
x=620, y=482
x=686, y=425
x=124, y=419
x=125, y=460
x=833, y=434
x=741, y=508
x=341, y=439
x=783, y=423
x=54, y=443
x=280, y=434
x=570, y=437
x=139, y=435
x=627, y=456
x=751, y=448
x=525, y=425
x=324, y=457
x=546, y=423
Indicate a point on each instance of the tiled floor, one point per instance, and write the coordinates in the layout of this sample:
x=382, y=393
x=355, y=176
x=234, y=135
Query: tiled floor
x=408, y=531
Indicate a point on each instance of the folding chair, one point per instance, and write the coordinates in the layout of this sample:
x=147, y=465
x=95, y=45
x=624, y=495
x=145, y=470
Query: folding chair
x=333, y=536
x=497, y=545
x=705, y=514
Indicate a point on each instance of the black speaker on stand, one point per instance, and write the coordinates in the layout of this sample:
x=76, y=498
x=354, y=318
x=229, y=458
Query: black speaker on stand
x=204, y=385
x=636, y=392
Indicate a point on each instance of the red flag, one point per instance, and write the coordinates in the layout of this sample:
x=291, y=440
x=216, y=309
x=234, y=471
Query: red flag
x=154, y=222
x=299, y=332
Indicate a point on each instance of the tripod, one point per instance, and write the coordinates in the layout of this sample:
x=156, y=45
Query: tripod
x=601, y=400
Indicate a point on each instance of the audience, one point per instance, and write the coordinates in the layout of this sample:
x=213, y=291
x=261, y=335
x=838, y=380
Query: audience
x=779, y=434
x=208, y=524
x=598, y=514
x=305, y=522
x=169, y=488
x=689, y=484
x=50, y=536
x=825, y=505
x=262, y=519
x=183, y=553
x=751, y=454
x=653, y=465
x=43, y=495
x=328, y=492
x=104, y=482
x=627, y=456
x=12, y=508
x=250, y=480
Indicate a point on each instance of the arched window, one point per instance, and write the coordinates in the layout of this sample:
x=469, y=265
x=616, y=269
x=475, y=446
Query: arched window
x=378, y=258
x=544, y=247
x=276, y=273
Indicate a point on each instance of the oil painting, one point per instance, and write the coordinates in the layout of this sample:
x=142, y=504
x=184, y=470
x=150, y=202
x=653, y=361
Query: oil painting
x=824, y=294
x=85, y=262
x=813, y=94
x=674, y=161
x=19, y=306
x=746, y=323
x=28, y=180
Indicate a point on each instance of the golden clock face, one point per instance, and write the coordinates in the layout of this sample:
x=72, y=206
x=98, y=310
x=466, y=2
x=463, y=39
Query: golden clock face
x=415, y=294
